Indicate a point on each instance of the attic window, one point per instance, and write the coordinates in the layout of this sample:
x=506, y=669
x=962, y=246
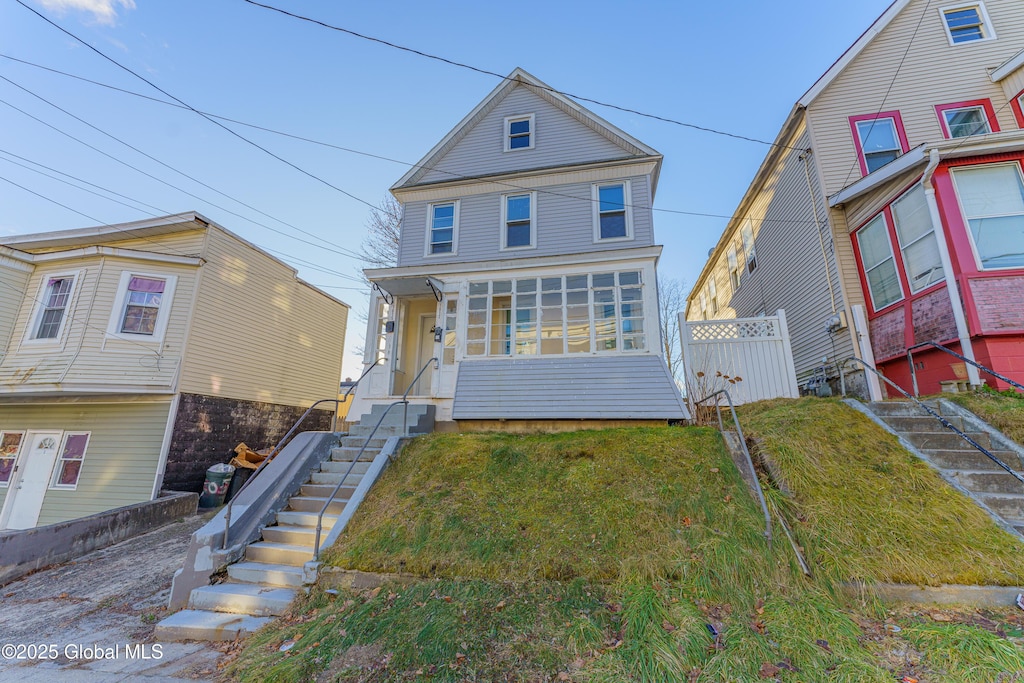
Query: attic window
x=519, y=133
x=967, y=23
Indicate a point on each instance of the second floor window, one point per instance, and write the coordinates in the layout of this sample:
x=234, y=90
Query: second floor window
x=612, y=218
x=518, y=221
x=55, y=303
x=879, y=138
x=442, y=228
x=967, y=118
x=713, y=294
x=142, y=306
x=966, y=23
x=734, y=269
x=749, y=254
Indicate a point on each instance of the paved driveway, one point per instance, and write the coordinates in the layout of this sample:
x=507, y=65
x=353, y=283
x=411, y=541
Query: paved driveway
x=92, y=619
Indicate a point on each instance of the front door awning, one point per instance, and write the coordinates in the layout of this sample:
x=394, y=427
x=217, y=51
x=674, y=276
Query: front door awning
x=410, y=286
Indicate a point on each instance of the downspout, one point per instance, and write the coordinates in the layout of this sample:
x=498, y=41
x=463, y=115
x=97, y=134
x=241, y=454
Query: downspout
x=805, y=157
x=952, y=288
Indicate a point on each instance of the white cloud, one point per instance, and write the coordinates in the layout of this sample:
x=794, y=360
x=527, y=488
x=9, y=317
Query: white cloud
x=103, y=11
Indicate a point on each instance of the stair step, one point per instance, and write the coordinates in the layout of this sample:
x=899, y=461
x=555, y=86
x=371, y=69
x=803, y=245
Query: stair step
x=347, y=454
x=332, y=478
x=278, y=553
x=326, y=491
x=242, y=598
x=268, y=574
x=923, y=423
x=358, y=442
x=973, y=460
x=304, y=519
x=292, y=535
x=341, y=466
x=999, y=481
x=1008, y=506
x=315, y=505
x=887, y=408
x=363, y=430
x=946, y=440
x=201, y=625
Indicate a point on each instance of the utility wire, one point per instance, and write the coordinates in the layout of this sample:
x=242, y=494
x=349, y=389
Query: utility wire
x=503, y=77
x=156, y=212
x=454, y=176
x=193, y=109
x=165, y=165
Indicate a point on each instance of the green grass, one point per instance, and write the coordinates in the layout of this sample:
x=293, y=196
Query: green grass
x=868, y=510
x=1003, y=410
x=605, y=556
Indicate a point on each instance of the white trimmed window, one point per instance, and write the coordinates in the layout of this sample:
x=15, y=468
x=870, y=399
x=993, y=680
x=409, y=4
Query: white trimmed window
x=562, y=315
x=749, y=253
x=992, y=200
x=142, y=306
x=962, y=122
x=613, y=219
x=51, y=310
x=713, y=294
x=879, y=263
x=703, y=305
x=442, y=228
x=918, y=243
x=518, y=221
x=72, y=455
x=519, y=133
x=734, y=268
x=10, y=444
x=450, y=322
x=967, y=23
x=879, y=142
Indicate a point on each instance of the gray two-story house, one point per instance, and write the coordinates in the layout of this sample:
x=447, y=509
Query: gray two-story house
x=526, y=267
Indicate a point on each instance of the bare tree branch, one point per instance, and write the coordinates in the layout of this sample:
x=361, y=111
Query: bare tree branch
x=671, y=301
x=380, y=248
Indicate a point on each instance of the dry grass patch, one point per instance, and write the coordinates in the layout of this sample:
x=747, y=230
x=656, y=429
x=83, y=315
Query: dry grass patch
x=1002, y=410
x=866, y=509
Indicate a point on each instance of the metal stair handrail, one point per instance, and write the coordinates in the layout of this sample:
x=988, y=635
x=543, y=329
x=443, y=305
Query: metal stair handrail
x=945, y=423
x=280, y=444
x=940, y=347
x=746, y=454
x=405, y=431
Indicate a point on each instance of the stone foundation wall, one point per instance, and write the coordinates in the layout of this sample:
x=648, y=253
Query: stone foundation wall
x=207, y=429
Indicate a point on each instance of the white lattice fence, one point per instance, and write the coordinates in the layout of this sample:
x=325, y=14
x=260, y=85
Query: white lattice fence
x=750, y=357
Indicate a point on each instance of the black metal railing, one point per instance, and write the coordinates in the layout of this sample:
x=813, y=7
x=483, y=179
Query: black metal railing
x=280, y=444
x=945, y=423
x=405, y=432
x=746, y=454
x=934, y=345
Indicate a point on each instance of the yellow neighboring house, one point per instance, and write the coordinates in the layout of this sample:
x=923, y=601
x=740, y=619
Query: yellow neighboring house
x=134, y=356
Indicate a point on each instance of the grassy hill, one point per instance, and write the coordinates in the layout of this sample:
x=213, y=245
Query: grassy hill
x=639, y=555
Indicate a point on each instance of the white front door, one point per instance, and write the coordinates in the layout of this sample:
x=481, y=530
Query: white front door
x=31, y=479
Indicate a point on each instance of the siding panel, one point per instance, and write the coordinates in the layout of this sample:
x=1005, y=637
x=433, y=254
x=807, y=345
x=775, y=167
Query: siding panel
x=624, y=387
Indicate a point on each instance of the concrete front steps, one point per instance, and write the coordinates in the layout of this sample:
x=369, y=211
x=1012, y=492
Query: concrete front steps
x=957, y=460
x=264, y=583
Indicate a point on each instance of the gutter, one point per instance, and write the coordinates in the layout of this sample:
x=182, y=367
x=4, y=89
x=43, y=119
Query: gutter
x=963, y=334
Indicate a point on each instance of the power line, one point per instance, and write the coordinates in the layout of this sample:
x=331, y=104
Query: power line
x=455, y=176
x=158, y=212
x=193, y=109
x=503, y=77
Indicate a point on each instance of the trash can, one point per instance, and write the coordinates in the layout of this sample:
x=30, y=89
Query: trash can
x=238, y=480
x=216, y=485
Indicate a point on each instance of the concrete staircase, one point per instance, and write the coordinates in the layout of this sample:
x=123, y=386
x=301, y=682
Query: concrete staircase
x=958, y=461
x=266, y=581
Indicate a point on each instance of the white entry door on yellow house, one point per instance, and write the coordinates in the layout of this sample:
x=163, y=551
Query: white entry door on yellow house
x=33, y=471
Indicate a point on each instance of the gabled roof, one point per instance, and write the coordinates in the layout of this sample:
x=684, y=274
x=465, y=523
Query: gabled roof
x=518, y=78
x=853, y=51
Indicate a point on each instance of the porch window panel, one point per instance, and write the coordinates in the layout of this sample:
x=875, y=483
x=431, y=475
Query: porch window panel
x=603, y=280
x=879, y=263
x=578, y=344
x=633, y=342
x=526, y=286
x=10, y=443
x=992, y=198
x=917, y=239
x=551, y=284
x=474, y=348
x=576, y=282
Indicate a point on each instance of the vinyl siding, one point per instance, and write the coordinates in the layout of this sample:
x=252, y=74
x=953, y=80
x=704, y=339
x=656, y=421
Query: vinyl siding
x=564, y=225
x=626, y=387
x=790, y=273
x=13, y=280
x=258, y=334
x=182, y=243
x=85, y=357
x=932, y=72
x=120, y=461
x=559, y=139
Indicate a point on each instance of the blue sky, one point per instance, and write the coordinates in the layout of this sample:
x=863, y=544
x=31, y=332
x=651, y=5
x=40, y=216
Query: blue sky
x=735, y=65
